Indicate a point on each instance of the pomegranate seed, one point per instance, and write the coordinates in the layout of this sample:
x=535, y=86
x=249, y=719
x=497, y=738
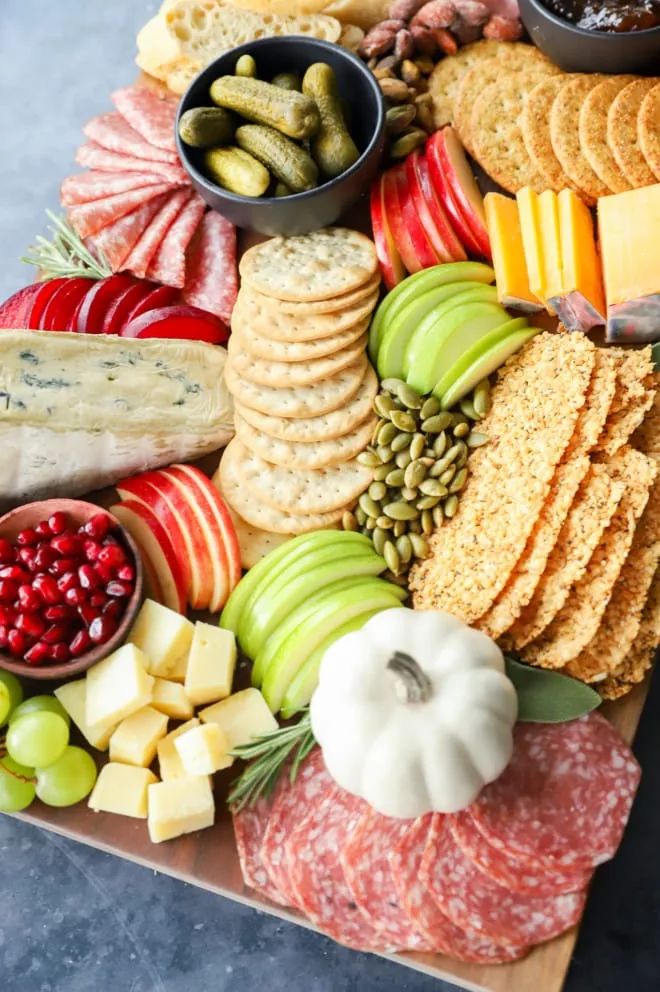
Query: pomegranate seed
x=59, y=653
x=63, y=565
x=113, y=556
x=7, y=553
x=114, y=609
x=8, y=614
x=75, y=596
x=27, y=538
x=38, y=653
x=43, y=529
x=8, y=591
x=102, y=629
x=45, y=557
x=119, y=589
x=46, y=587
x=126, y=573
x=68, y=545
x=104, y=572
x=29, y=600
x=99, y=599
x=56, y=633
x=57, y=522
x=30, y=624
x=80, y=643
x=59, y=612
x=16, y=642
x=92, y=549
x=14, y=573
x=67, y=581
x=88, y=577
x=98, y=526
x=88, y=613
x=4, y=635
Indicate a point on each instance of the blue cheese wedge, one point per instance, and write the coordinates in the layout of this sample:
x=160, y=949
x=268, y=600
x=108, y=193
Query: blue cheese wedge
x=80, y=412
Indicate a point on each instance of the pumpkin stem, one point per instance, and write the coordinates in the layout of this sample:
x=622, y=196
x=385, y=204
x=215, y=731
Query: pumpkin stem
x=412, y=684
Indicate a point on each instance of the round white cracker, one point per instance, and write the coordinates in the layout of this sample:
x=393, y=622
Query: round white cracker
x=296, y=351
x=249, y=312
x=265, y=372
x=335, y=304
x=254, y=544
x=316, y=266
x=297, y=454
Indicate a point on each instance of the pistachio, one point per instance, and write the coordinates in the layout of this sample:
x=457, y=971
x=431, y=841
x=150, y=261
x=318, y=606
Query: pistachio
x=378, y=537
x=424, y=116
x=377, y=491
x=381, y=73
x=400, y=511
x=391, y=556
x=450, y=506
x=349, y=521
x=420, y=545
x=408, y=143
x=417, y=446
x=404, y=548
x=384, y=452
x=437, y=423
x=476, y=440
x=425, y=64
x=410, y=72
x=370, y=507
x=387, y=433
x=399, y=118
x=401, y=441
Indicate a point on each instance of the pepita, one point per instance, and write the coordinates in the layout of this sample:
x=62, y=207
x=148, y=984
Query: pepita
x=384, y=452
x=414, y=474
x=381, y=471
x=370, y=524
x=360, y=516
x=409, y=397
x=475, y=439
x=437, y=423
x=468, y=409
x=392, y=385
x=368, y=458
x=396, y=478
x=438, y=516
x=461, y=430
x=440, y=445
x=401, y=441
x=370, y=507
x=420, y=545
x=403, y=458
x=431, y=487
x=384, y=523
x=459, y=481
x=349, y=521
x=387, y=433
x=415, y=527
x=427, y=522
x=404, y=421
x=378, y=537
x=400, y=511
x=391, y=556
x=417, y=445
x=430, y=408
x=377, y=491
x=383, y=405
x=404, y=548
x=400, y=527
x=481, y=398
x=427, y=502
x=447, y=476
x=450, y=506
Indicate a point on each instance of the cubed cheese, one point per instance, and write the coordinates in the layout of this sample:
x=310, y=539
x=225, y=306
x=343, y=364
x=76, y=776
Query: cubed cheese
x=203, y=750
x=73, y=697
x=118, y=686
x=171, y=698
x=169, y=761
x=242, y=716
x=163, y=635
x=177, y=672
x=508, y=254
x=211, y=664
x=180, y=806
x=135, y=739
x=122, y=789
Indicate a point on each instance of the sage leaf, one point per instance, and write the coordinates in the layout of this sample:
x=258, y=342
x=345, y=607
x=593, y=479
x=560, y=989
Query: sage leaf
x=549, y=697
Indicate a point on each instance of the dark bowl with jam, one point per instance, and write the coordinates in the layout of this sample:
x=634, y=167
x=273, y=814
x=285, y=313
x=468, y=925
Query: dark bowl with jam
x=609, y=36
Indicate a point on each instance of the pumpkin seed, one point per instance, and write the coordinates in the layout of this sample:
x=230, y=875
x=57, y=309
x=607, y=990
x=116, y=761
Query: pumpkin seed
x=368, y=458
x=459, y=481
x=450, y=506
x=458, y=418
x=384, y=452
x=384, y=523
x=414, y=474
x=409, y=397
x=436, y=470
x=461, y=430
x=400, y=527
x=392, y=385
x=360, y=516
x=349, y=521
x=437, y=423
x=403, y=458
x=481, y=398
x=453, y=452
x=404, y=421
x=401, y=441
x=417, y=446
x=447, y=476
x=387, y=433
x=420, y=545
x=475, y=439
x=377, y=491
x=438, y=516
x=400, y=511
x=383, y=405
x=415, y=527
x=381, y=471
x=461, y=460
x=370, y=507
x=427, y=522
x=429, y=453
x=427, y=461
x=462, y=448
x=395, y=478
x=391, y=556
x=404, y=547
x=427, y=502
x=430, y=407
x=370, y=524
x=467, y=407
x=431, y=487
x=440, y=444
x=378, y=536
x=399, y=580
x=409, y=494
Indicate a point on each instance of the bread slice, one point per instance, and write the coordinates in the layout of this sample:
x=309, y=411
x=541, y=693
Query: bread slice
x=364, y=13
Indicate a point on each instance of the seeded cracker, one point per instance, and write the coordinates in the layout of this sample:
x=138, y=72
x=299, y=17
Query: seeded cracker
x=622, y=132
x=271, y=322
x=593, y=132
x=649, y=131
x=536, y=403
x=565, y=136
x=296, y=454
x=535, y=126
x=576, y=624
x=268, y=373
x=449, y=72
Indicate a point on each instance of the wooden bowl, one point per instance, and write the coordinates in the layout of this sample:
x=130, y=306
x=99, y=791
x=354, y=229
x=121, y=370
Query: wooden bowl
x=79, y=512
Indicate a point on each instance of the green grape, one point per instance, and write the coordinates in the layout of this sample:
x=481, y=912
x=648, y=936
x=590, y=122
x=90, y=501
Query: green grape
x=15, y=794
x=11, y=693
x=47, y=704
x=37, y=739
x=67, y=780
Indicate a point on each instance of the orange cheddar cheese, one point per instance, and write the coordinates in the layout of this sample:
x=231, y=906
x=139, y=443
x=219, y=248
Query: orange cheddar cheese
x=530, y=226
x=548, y=214
x=579, y=303
x=508, y=254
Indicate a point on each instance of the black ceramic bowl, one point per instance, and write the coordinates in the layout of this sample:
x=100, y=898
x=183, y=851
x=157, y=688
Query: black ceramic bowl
x=316, y=208
x=578, y=50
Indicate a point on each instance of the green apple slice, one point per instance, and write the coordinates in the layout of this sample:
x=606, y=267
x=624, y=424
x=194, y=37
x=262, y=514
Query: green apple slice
x=298, y=637
x=403, y=324
x=472, y=353
x=487, y=364
x=296, y=584
x=421, y=282
x=278, y=559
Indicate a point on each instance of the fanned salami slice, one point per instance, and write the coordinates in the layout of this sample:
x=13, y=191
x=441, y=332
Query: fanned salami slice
x=442, y=934
x=249, y=828
x=140, y=257
x=515, y=874
x=565, y=797
x=88, y=186
x=111, y=131
x=152, y=114
x=365, y=860
x=117, y=240
x=168, y=265
x=311, y=785
x=313, y=851
x=90, y=218
x=474, y=901
x=93, y=156
x=212, y=282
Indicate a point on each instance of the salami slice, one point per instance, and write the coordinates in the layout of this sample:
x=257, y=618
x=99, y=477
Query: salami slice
x=212, y=282
x=474, y=901
x=313, y=851
x=88, y=186
x=565, y=798
x=249, y=829
x=311, y=785
x=90, y=218
x=140, y=257
x=515, y=874
x=111, y=131
x=117, y=240
x=365, y=860
x=93, y=156
x=168, y=265
x=442, y=934
x=150, y=113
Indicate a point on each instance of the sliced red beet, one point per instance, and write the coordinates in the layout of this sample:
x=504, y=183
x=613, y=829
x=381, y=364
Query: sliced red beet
x=121, y=308
x=15, y=311
x=46, y=291
x=163, y=296
x=63, y=304
x=92, y=313
x=182, y=322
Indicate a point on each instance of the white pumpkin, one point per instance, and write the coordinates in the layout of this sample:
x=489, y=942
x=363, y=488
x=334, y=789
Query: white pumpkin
x=414, y=712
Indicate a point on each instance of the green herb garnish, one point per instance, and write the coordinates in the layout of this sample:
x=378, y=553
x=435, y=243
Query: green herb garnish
x=66, y=255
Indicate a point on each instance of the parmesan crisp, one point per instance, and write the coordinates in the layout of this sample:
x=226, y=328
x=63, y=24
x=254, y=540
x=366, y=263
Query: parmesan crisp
x=641, y=655
x=635, y=392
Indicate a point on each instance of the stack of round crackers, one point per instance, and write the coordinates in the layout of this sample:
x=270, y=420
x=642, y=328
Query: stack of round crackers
x=303, y=388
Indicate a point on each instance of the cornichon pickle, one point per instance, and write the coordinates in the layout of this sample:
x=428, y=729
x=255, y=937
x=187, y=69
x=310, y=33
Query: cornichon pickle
x=206, y=127
x=288, y=81
x=281, y=189
x=292, y=113
x=246, y=66
x=333, y=149
x=286, y=160
x=235, y=170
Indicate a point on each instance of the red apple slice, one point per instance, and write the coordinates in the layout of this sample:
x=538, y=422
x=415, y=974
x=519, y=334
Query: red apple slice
x=438, y=214
x=423, y=211
x=153, y=588
x=63, y=304
x=391, y=266
x=422, y=246
x=444, y=194
x=15, y=311
x=183, y=322
x=45, y=291
x=123, y=305
x=97, y=301
x=395, y=220
x=465, y=193
x=144, y=526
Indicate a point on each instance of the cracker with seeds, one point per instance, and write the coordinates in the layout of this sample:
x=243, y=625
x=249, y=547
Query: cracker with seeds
x=250, y=314
x=301, y=455
x=296, y=351
x=535, y=126
x=623, y=133
x=536, y=403
x=565, y=137
x=449, y=72
x=648, y=127
x=281, y=374
x=593, y=132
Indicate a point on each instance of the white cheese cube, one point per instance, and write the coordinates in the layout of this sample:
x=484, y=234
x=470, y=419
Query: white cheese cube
x=203, y=750
x=211, y=664
x=241, y=717
x=171, y=698
x=135, y=739
x=122, y=789
x=162, y=634
x=179, y=806
x=177, y=672
x=118, y=686
x=73, y=697
x=169, y=761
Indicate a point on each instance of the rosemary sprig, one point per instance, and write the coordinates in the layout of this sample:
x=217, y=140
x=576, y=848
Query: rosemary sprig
x=267, y=757
x=66, y=254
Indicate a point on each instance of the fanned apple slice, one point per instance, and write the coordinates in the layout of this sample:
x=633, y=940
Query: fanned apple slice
x=455, y=168
x=391, y=265
x=446, y=197
x=423, y=212
x=437, y=211
x=426, y=255
x=149, y=534
x=394, y=216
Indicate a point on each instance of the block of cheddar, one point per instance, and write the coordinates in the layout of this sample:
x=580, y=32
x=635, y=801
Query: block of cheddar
x=579, y=299
x=508, y=254
x=530, y=227
x=628, y=224
x=551, y=259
